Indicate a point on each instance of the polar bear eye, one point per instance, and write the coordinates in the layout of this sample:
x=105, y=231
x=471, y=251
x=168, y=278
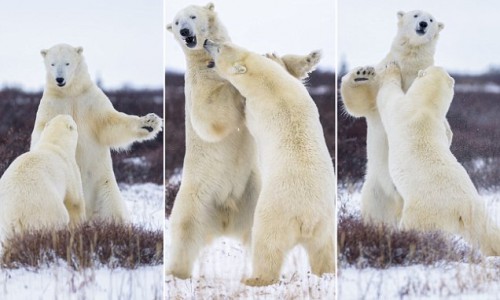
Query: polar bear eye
x=52, y=64
x=193, y=17
x=431, y=20
x=415, y=16
x=67, y=64
x=176, y=22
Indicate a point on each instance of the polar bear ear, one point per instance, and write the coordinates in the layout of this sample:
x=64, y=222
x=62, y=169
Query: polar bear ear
x=210, y=6
x=169, y=27
x=401, y=14
x=44, y=52
x=239, y=68
x=440, y=26
x=79, y=50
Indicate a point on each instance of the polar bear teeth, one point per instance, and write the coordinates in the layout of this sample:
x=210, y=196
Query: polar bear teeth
x=191, y=41
x=420, y=31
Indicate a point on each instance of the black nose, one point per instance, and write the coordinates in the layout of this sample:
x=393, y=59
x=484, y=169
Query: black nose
x=184, y=32
x=423, y=24
x=60, y=80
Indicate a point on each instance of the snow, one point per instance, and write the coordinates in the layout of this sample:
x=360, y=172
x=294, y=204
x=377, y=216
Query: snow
x=449, y=280
x=145, y=203
x=221, y=266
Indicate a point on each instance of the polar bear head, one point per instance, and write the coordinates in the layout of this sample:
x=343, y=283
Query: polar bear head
x=418, y=27
x=61, y=130
x=62, y=62
x=229, y=59
x=194, y=24
x=436, y=87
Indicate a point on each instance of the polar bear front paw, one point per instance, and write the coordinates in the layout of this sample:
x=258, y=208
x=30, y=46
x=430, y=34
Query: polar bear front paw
x=151, y=123
x=313, y=58
x=276, y=58
x=392, y=71
x=363, y=75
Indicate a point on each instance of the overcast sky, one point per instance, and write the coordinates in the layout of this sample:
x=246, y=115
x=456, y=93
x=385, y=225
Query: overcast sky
x=122, y=39
x=470, y=41
x=284, y=26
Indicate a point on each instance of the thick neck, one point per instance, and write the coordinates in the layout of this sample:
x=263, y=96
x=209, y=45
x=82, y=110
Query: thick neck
x=401, y=47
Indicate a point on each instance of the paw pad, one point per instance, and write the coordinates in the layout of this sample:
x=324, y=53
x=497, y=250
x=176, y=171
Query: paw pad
x=364, y=74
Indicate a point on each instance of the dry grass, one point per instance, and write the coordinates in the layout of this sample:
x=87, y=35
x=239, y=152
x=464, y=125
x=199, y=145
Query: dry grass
x=88, y=246
x=380, y=246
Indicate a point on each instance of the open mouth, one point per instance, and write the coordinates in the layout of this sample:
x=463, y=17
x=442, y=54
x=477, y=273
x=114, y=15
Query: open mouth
x=190, y=41
x=420, y=31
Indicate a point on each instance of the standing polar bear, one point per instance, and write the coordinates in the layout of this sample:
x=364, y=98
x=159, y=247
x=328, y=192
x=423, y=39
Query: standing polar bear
x=413, y=49
x=296, y=203
x=220, y=181
x=437, y=192
x=42, y=188
x=69, y=90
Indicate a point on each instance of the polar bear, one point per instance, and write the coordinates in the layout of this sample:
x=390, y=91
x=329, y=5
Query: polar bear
x=69, y=90
x=296, y=203
x=220, y=181
x=42, y=188
x=437, y=191
x=413, y=49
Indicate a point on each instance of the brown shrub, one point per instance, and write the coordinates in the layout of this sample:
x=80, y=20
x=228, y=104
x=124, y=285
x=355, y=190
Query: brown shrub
x=382, y=247
x=90, y=245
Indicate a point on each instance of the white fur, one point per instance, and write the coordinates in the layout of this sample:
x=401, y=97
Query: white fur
x=437, y=192
x=220, y=181
x=296, y=203
x=42, y=188
x=381, y=202
x=101, y=128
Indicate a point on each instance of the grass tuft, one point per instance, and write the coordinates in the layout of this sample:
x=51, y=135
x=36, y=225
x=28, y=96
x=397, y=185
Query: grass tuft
x=381, y=246
x=90, y=245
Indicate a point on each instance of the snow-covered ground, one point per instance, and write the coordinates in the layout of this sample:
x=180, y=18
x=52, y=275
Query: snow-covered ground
x=220, y=268
x=145, y=203
x=450, y=280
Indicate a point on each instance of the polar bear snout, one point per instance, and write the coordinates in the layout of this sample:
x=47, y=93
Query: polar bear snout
x=185, y=32
x=422, y=28
x=188, y=37
x=60, y=81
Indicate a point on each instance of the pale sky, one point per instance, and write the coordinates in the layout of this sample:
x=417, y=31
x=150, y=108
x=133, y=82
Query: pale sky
x=122, y=40
x=470, y=41
x=282, y=26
